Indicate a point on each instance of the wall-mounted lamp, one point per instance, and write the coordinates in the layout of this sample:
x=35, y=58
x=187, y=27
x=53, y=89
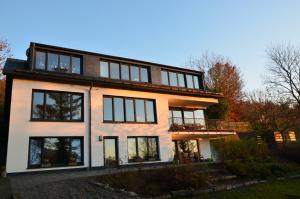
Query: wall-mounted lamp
x=100, y=138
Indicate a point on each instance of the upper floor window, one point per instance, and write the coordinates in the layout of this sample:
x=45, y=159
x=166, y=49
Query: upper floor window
x=114, y=70
x=56, y=106
x=57, y=62
x=125, y=109
x=178, y=79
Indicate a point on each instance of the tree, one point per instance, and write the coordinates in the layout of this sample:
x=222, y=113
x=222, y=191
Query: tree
x=284, y=71
x=223, y=77
x=5, y=52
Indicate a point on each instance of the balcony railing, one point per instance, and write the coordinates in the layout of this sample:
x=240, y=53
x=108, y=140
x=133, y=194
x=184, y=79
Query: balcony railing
x=186, y=124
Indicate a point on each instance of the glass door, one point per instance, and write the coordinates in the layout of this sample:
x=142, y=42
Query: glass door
x=110, y=151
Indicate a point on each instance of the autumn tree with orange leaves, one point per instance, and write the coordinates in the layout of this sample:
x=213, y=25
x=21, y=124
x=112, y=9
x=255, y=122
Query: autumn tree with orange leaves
x=223, y=77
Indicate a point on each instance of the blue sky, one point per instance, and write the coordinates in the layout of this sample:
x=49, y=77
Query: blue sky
x=165, y=31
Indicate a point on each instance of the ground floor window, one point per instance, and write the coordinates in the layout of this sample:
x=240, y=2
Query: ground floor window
x=55, y=151
x=141, y=149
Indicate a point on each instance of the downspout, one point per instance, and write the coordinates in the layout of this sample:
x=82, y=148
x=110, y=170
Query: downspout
x=90, y=128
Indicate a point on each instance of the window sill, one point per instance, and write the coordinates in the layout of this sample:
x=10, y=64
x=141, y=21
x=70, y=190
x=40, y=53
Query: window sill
x=68, y=121
x=111, y=122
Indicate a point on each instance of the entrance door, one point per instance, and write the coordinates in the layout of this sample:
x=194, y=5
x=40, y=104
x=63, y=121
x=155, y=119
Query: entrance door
x=110, y=151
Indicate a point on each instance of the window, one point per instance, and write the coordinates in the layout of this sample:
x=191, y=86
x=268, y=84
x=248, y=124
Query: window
x=134, y=73
x=173, y=79
x=40, y=60
x=177, y=79
x=189, y=81
x=124, y=71
x=186, y=117
x=123, y=109
x=181, y=82
x=57, y=62
x=56, y=106
x=164, y=78
x=104, y=69
x=114, y=71
x=55, y=151
x=144, y=75
x=141, y=149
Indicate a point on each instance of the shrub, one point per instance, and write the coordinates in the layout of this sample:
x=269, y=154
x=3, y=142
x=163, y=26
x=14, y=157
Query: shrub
x=290, y=151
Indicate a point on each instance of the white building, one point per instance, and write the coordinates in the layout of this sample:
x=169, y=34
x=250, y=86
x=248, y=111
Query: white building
x=68, y=109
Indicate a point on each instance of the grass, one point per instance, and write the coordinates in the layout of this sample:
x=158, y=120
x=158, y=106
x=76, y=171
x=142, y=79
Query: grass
x=273, y=190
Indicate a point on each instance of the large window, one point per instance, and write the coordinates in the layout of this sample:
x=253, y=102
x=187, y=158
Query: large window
x=122, y=71
x=126, y=109
x=56, y=106
x=55, y=151
x=186, y=117
x=57, y=62
x=177, y=79
x=141, y=149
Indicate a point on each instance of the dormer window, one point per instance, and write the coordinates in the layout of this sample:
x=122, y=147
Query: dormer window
x=56, y=62
x=124, y=71
x=178, y=79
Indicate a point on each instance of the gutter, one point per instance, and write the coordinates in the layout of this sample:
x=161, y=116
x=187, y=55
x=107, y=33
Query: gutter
x=90, y=129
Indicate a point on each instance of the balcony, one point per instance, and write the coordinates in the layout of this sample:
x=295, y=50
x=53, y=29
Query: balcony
x=186, y=124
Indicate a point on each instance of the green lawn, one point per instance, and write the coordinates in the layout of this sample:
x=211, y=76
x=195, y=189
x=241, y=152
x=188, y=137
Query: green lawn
x=273, y=190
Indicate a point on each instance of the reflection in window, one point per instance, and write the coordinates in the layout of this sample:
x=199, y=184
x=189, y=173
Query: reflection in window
x=52, y=62
x=119, y=109
x=52, y=152
x=144, y=75
x=193, y=117
x=189, y=81
x=52, y=106
x=76, y=62
x=56, y=106
x=142, y=149
x=40, y=60
x=114, y=71
x=150, y=111
x=140, y=110
x=124, y=72
x=103, y=69
x=57, y=62
x=181, y=80
x=129, y=110
x=107, y=107
x=38, y=105
x=35, y=152
x=173, y=79
x=196, y=82
x=133, y=111
x=132, y=153
x=134, y=73
x=164, y=78
x=64, y=63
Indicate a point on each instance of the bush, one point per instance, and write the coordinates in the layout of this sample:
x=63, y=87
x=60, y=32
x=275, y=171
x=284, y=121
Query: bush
x=156, y=182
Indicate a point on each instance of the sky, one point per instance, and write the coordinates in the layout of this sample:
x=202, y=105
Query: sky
x=162, y=31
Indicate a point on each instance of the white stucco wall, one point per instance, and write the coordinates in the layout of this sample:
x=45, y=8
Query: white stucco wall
x=21, y=128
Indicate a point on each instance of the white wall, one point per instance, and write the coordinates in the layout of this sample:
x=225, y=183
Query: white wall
x=21, y=128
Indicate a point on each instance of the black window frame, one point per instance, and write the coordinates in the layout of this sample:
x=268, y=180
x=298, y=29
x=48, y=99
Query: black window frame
x=137, y=149
x=134, y=109
x=42, y=139
x=44, y=106
x=199, y=77
x=129, y=65
x=59, y=54
x=182, y=115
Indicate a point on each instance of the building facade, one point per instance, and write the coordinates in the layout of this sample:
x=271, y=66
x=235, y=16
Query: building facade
x=69, y=109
